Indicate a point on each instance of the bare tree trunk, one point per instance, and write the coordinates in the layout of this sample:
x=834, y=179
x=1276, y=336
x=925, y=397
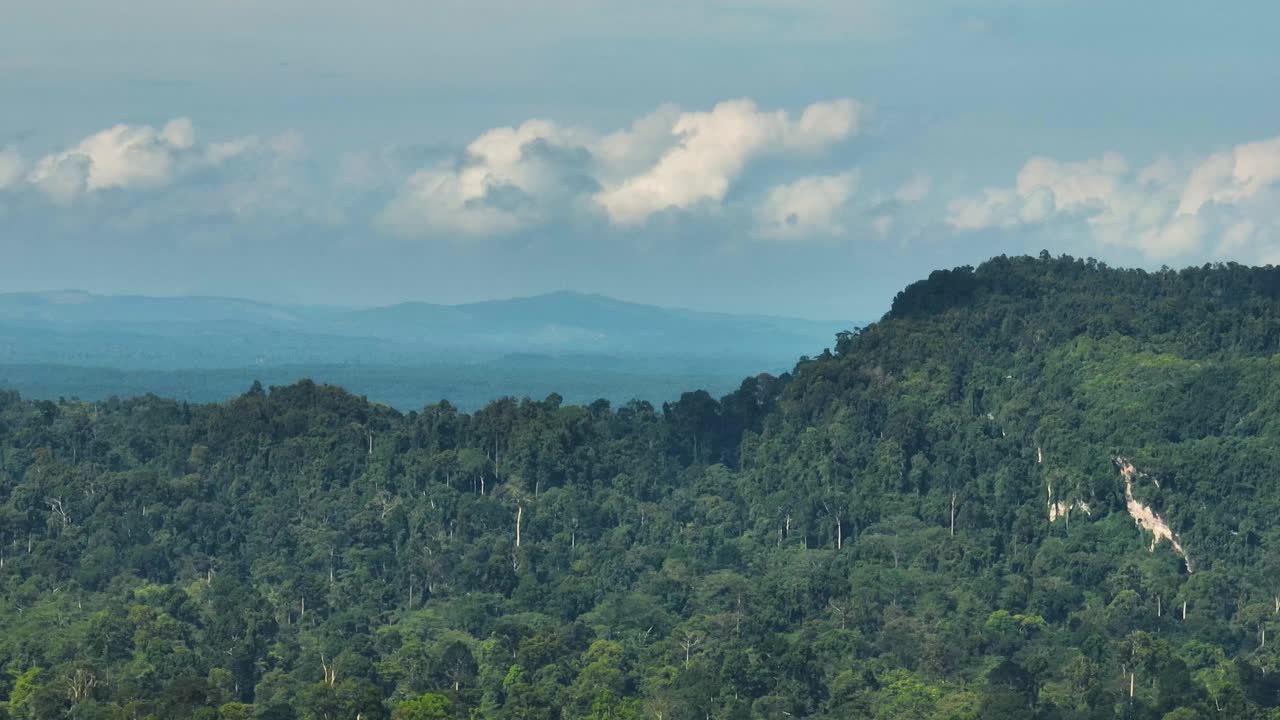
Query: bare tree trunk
x=330, y=673
x=691, y=641
x=953, y=514
x=58, y=509
x=519, y=513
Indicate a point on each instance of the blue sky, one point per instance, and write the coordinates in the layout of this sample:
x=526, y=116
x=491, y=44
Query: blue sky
x=806, y=157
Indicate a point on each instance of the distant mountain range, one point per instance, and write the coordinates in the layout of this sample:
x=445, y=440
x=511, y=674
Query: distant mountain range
x=73, y=343
x=135, y=332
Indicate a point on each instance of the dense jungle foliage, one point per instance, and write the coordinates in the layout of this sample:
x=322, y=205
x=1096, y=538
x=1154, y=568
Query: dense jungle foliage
x=868, y=536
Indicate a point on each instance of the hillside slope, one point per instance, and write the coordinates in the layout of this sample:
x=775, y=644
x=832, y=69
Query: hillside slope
x=937, y=520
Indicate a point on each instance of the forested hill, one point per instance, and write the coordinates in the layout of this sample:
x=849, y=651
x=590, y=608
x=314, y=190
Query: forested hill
x=1039, y=488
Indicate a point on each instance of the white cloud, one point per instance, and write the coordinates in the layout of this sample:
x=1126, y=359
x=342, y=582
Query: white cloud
x=12, y=167
x=629, y=152
x=996, y=207
x=1163, y=210
x=512, y=177
x=808, y=207
x=118, y=157
x=509, y=177
x=711, y=149
x=179, y=133
x=1233, y=176
x=449, y=201
x=142, y=157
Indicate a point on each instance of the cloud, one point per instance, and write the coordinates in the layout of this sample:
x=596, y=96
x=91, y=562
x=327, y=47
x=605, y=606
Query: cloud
x=12, y=167
x=139, y=157
x=118, y=157
x=809, y=207
x=914, y=190
x=507, y=179
x=1232, y=177
x=164, y=183
x=1044, y=188
x=287, y=146
x=1163, y=210
x=513, y=177
x=711, y=149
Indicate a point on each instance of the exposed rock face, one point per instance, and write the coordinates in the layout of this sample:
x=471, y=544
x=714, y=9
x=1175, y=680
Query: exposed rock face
x=1143, y=515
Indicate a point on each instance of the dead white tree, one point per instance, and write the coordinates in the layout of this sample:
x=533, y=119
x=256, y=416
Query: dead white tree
x=79, y=684
x=330, y=673
x=841, y=611
x=59, y=511
x=691, y=640
x=954, y=497
x=839, y=528
x=385, y=502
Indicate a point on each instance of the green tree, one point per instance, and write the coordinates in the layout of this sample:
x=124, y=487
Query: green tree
x=429, y=706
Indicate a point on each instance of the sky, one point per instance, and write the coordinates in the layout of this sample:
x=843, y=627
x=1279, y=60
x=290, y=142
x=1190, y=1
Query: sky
x=791, y=157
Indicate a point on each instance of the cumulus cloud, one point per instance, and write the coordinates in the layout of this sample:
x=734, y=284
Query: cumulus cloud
x=809, y=207
x=118, y=157
x=1164, y=210
x=512, y=177
x=133, y=157
x=508, y=178
x=711, y=149
x=1232, y=177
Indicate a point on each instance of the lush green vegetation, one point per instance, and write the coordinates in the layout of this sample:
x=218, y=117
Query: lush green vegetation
x=865, y=537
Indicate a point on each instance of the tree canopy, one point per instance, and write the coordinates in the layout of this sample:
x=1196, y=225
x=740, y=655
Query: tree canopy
x=932, y=519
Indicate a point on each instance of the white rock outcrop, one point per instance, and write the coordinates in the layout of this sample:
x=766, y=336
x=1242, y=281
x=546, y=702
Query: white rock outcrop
x=1143, y=515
